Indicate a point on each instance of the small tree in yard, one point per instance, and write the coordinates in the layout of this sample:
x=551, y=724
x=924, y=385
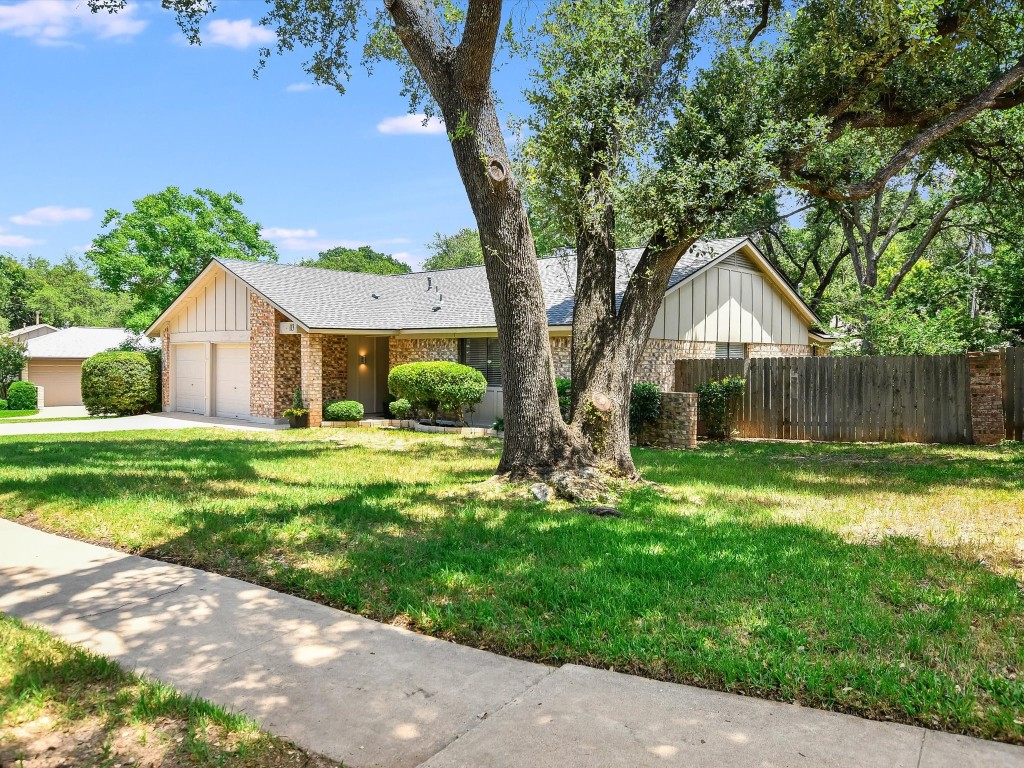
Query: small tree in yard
x=716, y=402
x=12, y=361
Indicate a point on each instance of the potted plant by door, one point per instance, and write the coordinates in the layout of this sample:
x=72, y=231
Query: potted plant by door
x=297, y=415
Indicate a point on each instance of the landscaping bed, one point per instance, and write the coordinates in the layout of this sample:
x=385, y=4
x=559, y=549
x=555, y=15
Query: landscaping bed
x=880, y=580
x=62, y=706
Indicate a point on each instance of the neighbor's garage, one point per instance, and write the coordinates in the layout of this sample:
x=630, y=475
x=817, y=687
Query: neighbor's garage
x=229, y=365
x=61, y=380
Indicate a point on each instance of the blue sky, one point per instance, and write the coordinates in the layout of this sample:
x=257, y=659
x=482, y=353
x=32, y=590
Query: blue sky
x=103, y=110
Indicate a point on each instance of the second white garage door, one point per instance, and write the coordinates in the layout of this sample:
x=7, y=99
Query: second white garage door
x=190, y=378
x=232, y=381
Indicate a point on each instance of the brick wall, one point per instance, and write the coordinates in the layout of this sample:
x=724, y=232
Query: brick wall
x=677, y=425
x=561, y=356
x=335, y=366
x=165, y=368
x=658, y=361
x=986, y=381
x=311, y=350
x=402, y=350
x=274, y=361
x=779, y=350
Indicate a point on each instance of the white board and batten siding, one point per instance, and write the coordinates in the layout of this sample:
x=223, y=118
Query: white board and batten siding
x=217, y=310
x=732, y=301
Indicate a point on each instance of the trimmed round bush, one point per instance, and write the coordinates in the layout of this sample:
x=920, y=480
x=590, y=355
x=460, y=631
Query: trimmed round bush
x=22, y=396
x=400, y=408
x=437, y=386
x=344, y=410
x=3, y=405
x=119, y=384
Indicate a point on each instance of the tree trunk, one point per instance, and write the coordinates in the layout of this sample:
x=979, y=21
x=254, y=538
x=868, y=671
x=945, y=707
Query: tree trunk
x=537, y=440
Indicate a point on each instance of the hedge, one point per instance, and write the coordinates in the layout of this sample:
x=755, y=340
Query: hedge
x=343, y=410
x=119, y=383
x=3, y=405
x=438, y=386
x=22, y=396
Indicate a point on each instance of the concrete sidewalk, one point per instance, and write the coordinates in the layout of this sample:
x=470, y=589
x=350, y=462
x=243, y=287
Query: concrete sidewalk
x=127, y=423
x=373, y=695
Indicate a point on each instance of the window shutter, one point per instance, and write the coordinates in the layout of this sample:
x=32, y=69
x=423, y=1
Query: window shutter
x=725, y=350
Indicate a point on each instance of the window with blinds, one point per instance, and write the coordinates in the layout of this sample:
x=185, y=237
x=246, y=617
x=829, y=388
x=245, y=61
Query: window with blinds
x=728, y=350
x=485, y=356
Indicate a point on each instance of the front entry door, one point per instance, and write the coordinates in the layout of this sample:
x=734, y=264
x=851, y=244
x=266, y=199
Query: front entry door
x=368, y=372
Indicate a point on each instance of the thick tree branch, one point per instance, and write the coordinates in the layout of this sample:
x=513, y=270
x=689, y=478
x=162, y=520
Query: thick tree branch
x=420, y=31
x=475, y=54
x=762, y=24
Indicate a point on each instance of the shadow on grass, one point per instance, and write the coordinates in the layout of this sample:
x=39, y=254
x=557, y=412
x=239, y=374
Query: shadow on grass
x=896, y=630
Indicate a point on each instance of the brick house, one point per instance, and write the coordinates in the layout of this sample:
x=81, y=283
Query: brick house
x=244, y=335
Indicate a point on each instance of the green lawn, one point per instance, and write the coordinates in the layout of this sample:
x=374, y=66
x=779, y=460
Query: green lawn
x=60, y=705
x=878, y=580
x=16, y=414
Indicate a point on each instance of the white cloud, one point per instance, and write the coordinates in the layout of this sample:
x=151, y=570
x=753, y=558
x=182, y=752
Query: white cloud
x=308, y=240
x=279, y=233
x=51, y=214
x=238, y=33
x=410, y=124
x=17, y=241
x=55, y=22
x=300, y=87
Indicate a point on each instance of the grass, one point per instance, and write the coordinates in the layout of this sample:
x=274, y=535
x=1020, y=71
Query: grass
x=60, y=705
x=878, y=580
x=16, y=414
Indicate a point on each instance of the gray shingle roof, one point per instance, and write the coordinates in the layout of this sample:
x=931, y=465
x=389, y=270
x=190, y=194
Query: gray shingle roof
x=327, y=299
x=77, y=343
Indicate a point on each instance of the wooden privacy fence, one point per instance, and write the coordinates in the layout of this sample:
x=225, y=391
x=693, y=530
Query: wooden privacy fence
x=885, y=399
x=1013, y=393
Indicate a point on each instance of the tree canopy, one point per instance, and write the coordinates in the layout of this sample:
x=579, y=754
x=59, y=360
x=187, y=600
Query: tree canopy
x=361, y=259
x=461, y=249
x=154, y=251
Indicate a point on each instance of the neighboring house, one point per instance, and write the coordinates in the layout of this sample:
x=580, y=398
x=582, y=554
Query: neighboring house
x=55, y=360
x=22, y=335
x=244, y=335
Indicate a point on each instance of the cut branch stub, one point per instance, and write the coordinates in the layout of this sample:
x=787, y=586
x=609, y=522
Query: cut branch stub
x=602, y=402
x=496, y=171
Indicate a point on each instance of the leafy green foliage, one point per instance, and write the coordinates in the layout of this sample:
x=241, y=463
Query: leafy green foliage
x=63, y=294
x=461, y=249
x=361, y=259
x=644, y=407
x=715, y=403
x=437, y=386
x=22, y=396
x=400, y=408
x=119, y=384
x=298, y=407
x=564, y=389
x=343, y=410
x=12, y=360
x=3, y=405
x=154, y=251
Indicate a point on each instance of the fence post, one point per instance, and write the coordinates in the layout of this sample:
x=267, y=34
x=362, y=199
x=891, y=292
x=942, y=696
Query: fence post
x=986, y=385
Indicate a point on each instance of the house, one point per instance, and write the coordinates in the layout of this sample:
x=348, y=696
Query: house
x=244, y=335
x=55, y=359
x=22, y=335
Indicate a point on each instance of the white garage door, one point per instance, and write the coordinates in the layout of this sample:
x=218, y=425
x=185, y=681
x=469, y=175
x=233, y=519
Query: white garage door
x=190, y=378
x=232, y=381
x=61, y=380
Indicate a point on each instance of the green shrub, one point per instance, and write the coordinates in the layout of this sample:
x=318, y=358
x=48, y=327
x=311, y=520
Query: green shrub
x=644, y=407
x=119, y=383
x=3, y=405
x=716, y=404
x=344, y=410
x=564, y=389
x=298, y=407
x=22, y=396
x=438, y=386
x=12, y=360
x=498, y=425
x=400, y=408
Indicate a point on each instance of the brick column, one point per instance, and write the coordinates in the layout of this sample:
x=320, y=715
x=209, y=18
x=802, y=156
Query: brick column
x=262, y=358
x=986, y=373
x=165, y=368
x=676, y=427
x=312, y=357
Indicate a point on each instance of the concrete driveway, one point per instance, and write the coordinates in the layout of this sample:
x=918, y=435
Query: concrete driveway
x=132, y=423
